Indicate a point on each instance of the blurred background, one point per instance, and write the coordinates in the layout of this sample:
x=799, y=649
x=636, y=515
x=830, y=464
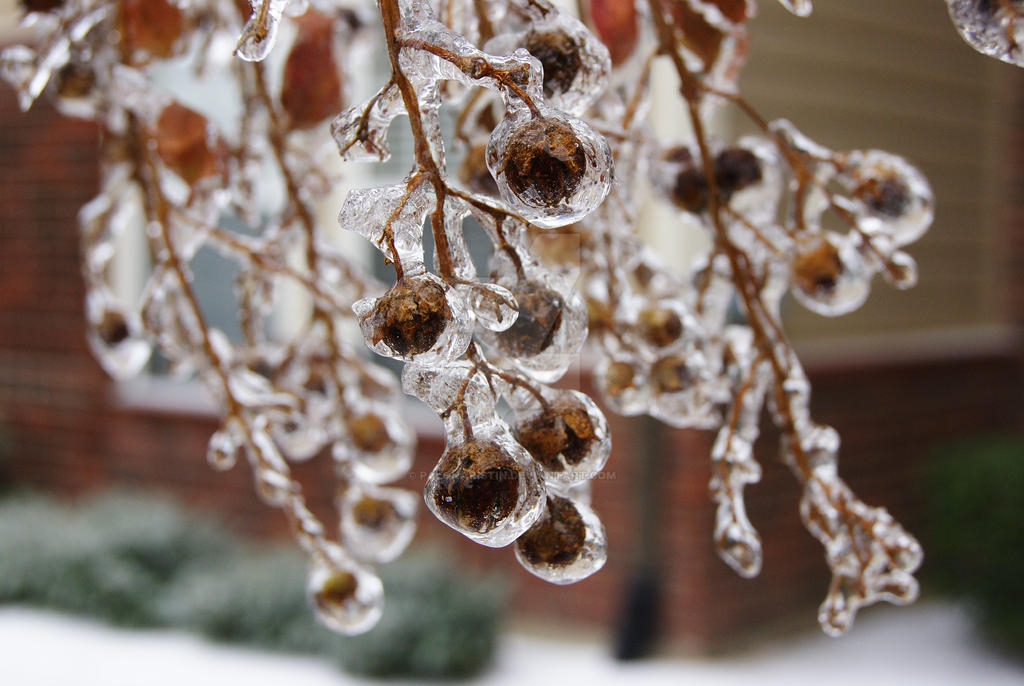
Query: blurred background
x=924, y=386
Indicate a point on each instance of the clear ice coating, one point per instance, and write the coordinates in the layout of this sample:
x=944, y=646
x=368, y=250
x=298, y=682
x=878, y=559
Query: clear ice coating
x=487, y=487
x=550, y=168
x=801, y=8
x=346, y=597
x=575, y=64
x=377, y=523
x=566, y=544
x=829, y=276
x=540, y=115
x=260, y=31
x=115, y=336
x=891, y=191
x=992, y=27
x=564, y=431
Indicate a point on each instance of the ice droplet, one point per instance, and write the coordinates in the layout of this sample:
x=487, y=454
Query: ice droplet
x=377, y=523
x=115, y=336
x=346, y=597
x=487, y=488
x=829, y=275
x=566, y=544
x=991, y=28
x=551, y=168
x=260, y=32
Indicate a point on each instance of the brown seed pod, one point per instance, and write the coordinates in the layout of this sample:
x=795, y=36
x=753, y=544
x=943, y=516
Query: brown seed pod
x=560, y=56
x=735, y=169
x=540, y=314
x=545, y=162
x=113, y=328
x=375, y=513
x=887, y=196
x=337, y=590
x=411, y=316
x=817, y=268
x=369, y=433
x=564, y=429
x=557, y=538
x=619, y=377
x=478, y=486
x=671, y=374
x=660, y=326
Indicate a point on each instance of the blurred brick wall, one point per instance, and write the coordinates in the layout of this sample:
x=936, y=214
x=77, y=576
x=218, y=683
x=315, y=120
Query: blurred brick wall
x=68, y=435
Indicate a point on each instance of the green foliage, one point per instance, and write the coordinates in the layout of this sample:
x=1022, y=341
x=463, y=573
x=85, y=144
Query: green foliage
x=142, y=561
x=108, y=557
x=976, y=533
x=436, y=624
x=254, y=597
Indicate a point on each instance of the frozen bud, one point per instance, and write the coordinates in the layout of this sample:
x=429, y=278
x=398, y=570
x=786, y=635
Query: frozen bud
x=568, y=437
x=546, y=162
x=622, y=385
x=378, y=446
x=559, y=55
x=828, y=275
x=377, y=523
x=487, y=489
x=540, y=315
x=183, y=145
x=345, y=597
x=115, y=337
x=688, y=189
x=368, y=432
x=991, y=27
x=150, y=28
x=672, y=374
x=415, y=318
x=223, y=448
x=565, y=545
x=660, y=326
x=892, y=191
x=549, y=167
x=735, y=170
x=112, y=328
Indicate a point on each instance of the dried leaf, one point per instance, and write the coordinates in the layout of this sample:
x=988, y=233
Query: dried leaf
x=181, y=142
x=616, y=24
x=150, y=28
x=311, y=91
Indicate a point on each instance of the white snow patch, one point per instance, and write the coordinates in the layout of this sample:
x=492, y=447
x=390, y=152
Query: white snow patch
x=930, y=644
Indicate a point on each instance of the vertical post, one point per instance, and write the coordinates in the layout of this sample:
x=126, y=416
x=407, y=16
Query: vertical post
x=640, y=617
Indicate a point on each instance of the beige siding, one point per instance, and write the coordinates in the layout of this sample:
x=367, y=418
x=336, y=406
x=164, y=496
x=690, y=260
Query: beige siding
x=894, y=74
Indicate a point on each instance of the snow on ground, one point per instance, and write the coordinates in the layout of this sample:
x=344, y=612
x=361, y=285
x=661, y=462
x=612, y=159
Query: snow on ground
x=929, y=644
